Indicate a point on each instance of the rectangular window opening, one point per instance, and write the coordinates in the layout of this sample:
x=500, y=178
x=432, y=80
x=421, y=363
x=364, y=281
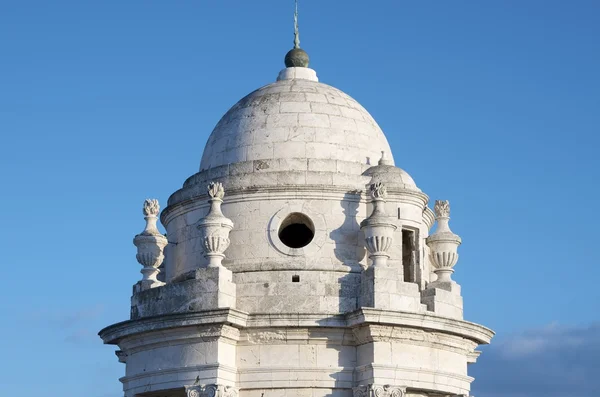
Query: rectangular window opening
x=409, y=256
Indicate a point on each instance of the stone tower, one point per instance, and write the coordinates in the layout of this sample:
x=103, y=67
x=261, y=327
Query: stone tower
x=297, y=262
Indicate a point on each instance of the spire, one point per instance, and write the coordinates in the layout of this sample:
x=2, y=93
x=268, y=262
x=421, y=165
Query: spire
x=296, y=57
x=296, y=30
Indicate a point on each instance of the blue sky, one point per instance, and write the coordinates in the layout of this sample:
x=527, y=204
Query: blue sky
x=494, y=106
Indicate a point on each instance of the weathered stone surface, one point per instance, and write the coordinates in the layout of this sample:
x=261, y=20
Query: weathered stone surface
x=355, y=300
x=210, y=288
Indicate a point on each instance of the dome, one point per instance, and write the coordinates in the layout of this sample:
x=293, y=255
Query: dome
x=391, y=176
x=295, y=117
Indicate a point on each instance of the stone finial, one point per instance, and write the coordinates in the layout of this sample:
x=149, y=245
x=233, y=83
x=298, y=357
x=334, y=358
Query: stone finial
x=150, y=244
x=442, y=208
x=443, y=245
x=378, y=191
x=215, y=227
x=384, y=159
x=378, y=227
x=215, y=190
x=151, y=207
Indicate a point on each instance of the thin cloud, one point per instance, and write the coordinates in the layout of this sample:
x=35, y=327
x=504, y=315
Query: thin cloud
x=554, y=361
x=69, y=320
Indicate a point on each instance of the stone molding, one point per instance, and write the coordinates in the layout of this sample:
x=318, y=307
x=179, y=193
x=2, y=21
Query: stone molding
x=428, y=218
x=417, y=378
x=224, y=333
x=115, y=333
x=170, y=371
x=381, y=333
x=283, y=335
x=322, y=377
x=322, y=264
x=468, y=330
x=373, y=390
x=211, y=391
x=195, y=196
x=239, y=319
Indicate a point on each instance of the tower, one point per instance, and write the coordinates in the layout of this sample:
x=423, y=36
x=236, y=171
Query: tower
x=298, y=261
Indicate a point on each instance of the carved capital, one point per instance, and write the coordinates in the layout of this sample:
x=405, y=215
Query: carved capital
x=361, y=391
x=211, y=391
x=201, y=391
x=373, y=390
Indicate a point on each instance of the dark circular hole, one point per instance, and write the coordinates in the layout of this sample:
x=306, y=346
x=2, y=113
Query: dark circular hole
x=296, y=230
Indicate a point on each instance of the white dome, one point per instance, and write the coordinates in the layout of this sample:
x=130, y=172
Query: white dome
x=296, y=117
x=391, y=176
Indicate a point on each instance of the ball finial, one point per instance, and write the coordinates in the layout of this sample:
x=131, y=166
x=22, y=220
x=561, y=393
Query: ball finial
x=296, y=58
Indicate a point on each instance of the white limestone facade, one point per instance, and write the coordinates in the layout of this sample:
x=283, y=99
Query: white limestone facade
x=299, y=261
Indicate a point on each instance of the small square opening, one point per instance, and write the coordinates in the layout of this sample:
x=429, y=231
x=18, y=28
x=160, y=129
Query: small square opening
x=295, y=278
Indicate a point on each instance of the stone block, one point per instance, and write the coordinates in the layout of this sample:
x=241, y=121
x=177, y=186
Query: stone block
x=310, y=97
x=326, y=108
x=342, y=123
x=319, y=178
x=282, y=120
x=293, y=164
x=290, y=149
x=322, y=165
x=382, y=288
x=313, y=120
x=337, y=99
x=260, y=152
x=292, y=97
x=442, y=302
x=351, y=113
x=208, y=288
x=294, y=107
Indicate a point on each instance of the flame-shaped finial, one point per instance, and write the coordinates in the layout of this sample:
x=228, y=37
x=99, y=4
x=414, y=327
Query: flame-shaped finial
x=151, y=207
x=442, y=208
x=215, y=190
x=378, y=190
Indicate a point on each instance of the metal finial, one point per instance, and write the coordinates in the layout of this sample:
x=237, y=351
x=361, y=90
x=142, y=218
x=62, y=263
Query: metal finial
x=296, y=57
x=296, y=31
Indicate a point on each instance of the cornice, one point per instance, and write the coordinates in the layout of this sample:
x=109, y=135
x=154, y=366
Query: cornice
x=299, y=192
x=241, y=320
x=465, y=329
x=114, y=333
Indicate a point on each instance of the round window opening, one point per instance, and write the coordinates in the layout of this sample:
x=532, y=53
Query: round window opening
x=296, y=230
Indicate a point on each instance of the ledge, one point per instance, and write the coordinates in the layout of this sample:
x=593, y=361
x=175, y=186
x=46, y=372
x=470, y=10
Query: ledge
x=465, y=329
x=238, y=319
x=114, y=333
